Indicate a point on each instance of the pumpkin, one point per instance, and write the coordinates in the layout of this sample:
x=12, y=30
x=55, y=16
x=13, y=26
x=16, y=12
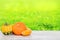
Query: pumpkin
x=6, y=29
x=27, y=32
x=18, y=28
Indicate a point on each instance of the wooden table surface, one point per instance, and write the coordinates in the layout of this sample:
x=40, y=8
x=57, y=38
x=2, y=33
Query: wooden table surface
x=36, y=35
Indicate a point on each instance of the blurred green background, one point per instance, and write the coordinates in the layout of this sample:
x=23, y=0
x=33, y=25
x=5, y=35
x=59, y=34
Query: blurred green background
x=36, y=14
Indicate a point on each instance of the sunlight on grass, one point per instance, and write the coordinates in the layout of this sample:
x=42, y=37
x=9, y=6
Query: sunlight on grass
x=36, y=14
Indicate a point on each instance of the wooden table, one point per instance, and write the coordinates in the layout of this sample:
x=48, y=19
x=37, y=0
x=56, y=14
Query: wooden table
x=36, y=35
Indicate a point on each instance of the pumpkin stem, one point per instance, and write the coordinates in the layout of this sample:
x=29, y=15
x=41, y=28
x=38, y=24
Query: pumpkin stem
x=6, y=24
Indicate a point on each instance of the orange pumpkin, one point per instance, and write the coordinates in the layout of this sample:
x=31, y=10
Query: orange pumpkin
x=18, y=28
x=27, y=32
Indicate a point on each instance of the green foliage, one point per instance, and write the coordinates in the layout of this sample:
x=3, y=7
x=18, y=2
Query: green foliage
x=36, y=14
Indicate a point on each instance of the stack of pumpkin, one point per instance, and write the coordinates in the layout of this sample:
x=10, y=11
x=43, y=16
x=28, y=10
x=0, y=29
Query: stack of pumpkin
x=18, y=28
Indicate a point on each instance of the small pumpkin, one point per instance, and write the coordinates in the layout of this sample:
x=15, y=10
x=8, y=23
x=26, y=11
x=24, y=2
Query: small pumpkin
x=18, y=28
x=6, y=29
x=27, y=32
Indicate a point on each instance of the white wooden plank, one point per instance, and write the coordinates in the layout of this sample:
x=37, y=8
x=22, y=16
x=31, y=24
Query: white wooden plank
x=36, y=35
